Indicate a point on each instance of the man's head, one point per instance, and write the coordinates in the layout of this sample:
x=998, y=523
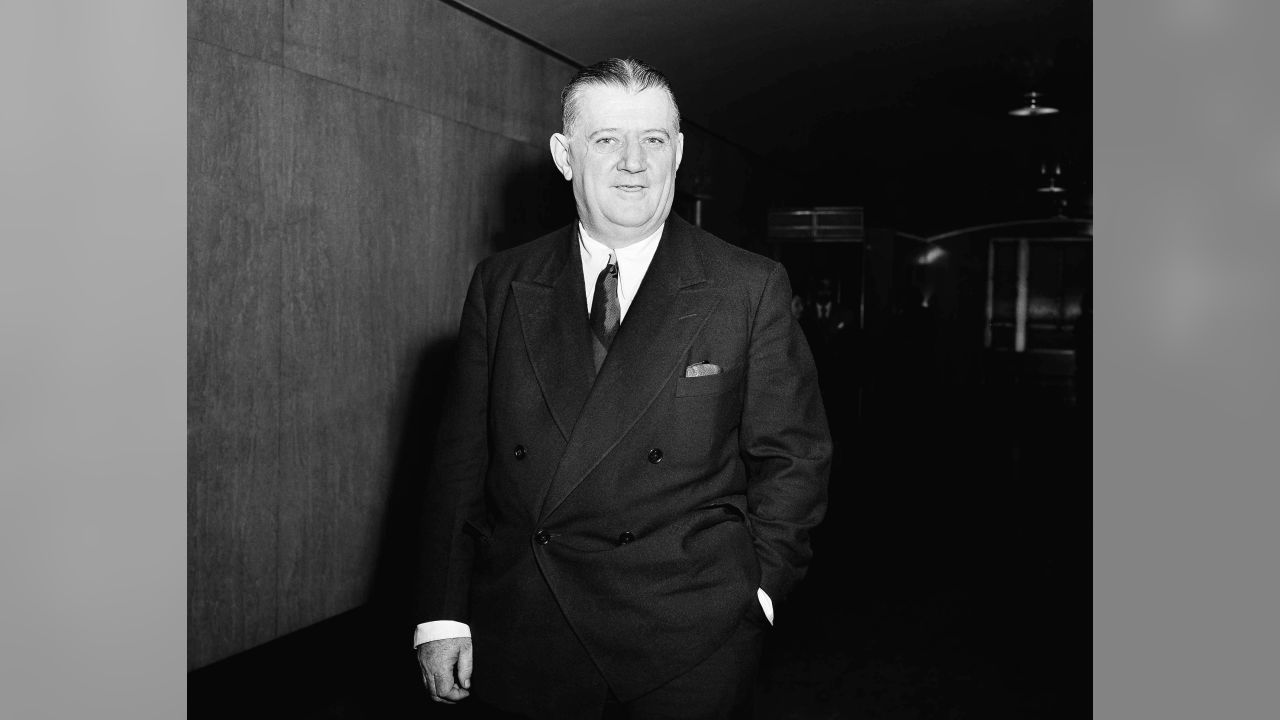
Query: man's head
x=620, y=147
x=824, y=290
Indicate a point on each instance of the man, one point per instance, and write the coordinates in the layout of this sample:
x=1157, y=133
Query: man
x=634, y=451
x=834, y=333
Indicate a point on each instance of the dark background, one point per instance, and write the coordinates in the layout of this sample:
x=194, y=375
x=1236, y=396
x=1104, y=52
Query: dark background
x=896, y=106
x=349, y=163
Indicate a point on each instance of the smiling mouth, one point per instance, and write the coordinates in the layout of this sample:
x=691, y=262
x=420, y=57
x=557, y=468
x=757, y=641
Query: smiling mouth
x=630, y=188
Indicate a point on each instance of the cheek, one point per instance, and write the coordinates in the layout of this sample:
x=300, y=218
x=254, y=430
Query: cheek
x=597, y=173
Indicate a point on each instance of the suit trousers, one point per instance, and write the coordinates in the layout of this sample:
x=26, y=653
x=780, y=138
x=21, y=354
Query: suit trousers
x=718, y=688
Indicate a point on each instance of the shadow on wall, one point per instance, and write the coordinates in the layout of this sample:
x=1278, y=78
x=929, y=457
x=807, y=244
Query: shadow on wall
x=535, y=201
x=401, y=530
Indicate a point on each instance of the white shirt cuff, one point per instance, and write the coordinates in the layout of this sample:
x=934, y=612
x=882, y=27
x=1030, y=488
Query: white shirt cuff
x=441, y=630
x=766, y=604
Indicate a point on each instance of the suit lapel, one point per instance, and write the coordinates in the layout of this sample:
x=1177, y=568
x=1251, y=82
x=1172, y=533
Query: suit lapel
x=671, y=306
x=553, y=317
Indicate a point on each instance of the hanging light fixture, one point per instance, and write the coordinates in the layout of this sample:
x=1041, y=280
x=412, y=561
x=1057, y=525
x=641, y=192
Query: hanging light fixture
x=1052, y=185
x=1034, y=106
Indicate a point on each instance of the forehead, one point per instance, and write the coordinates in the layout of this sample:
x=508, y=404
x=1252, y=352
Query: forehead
x=610, y=106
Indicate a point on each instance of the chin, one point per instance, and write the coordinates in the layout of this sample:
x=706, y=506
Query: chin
x=634, y=218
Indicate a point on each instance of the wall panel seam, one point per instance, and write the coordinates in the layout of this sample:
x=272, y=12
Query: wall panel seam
x=281, y=221
x=383, y=98
x=284, y=10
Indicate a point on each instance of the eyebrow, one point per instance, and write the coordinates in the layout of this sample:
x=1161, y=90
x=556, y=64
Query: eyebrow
x=665, y=133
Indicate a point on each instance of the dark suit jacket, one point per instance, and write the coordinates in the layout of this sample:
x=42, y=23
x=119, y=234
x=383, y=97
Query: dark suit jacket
x=622, y=521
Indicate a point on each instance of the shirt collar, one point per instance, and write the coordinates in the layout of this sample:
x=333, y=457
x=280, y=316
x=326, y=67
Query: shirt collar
x=638, y=251
x=633, y=265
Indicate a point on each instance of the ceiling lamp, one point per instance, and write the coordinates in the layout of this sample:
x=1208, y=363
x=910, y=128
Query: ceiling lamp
x=930, y=256
x=1052, y=186
x=1034, y=106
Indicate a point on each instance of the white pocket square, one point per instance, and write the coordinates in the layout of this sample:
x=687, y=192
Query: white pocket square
x=701, y=368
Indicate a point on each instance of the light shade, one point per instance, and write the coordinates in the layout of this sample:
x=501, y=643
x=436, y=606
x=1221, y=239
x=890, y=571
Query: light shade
x=1052, y=187
x=1034, y=106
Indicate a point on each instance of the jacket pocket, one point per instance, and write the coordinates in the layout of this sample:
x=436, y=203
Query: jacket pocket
x=731, y=505
x=707, y=384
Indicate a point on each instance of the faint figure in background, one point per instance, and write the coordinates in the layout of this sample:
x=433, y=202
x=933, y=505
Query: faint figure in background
x=834, y=335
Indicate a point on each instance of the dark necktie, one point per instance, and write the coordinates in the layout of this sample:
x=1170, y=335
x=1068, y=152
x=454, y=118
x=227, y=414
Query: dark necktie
x=606, y=313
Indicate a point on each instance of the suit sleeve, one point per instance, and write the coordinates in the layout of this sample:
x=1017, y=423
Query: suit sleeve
x=784, y=440
x=455, y=482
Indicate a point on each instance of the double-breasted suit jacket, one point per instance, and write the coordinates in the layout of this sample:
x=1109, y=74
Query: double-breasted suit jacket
x=621, y=522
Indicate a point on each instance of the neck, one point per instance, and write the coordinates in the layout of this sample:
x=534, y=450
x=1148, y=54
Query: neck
x=619, y=238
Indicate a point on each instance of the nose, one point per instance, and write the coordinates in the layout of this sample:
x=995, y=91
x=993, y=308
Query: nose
x=632, y=159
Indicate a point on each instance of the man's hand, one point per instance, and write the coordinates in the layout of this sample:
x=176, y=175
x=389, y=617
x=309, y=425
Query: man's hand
x=446, y=668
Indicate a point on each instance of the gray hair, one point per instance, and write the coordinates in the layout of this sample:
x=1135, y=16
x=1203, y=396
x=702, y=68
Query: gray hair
x=627, y=73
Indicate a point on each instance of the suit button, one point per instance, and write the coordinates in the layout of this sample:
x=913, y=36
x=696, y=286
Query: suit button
x=625, y=538
x=520, y=452
x=542, y=537
x=655, y=456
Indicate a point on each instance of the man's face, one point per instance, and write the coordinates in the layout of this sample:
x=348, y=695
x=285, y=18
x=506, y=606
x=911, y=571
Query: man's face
x=622, y=158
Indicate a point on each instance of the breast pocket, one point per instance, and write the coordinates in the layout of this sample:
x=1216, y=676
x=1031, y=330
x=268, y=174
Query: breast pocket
x=722, y=381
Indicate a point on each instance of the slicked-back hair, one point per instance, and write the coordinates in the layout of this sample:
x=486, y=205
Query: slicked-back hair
x=627, y=73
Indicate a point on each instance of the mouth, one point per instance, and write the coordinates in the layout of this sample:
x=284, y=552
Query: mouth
x=630, y=188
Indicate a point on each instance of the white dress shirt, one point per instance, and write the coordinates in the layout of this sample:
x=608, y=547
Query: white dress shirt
x=633, y=262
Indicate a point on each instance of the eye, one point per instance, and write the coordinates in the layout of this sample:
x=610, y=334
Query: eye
x=656, y=140
x=606, y=141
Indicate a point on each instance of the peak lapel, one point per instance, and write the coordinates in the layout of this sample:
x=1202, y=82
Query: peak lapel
x=671, y=306
x=552, y=310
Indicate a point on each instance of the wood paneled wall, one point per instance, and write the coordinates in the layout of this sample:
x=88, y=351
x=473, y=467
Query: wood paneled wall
x=349, y=163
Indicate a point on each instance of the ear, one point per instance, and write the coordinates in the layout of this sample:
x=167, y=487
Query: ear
x=560, y=155
x=679, y=149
